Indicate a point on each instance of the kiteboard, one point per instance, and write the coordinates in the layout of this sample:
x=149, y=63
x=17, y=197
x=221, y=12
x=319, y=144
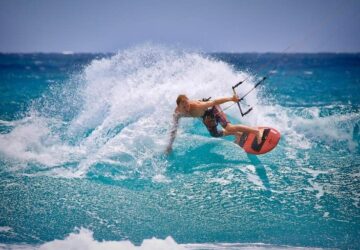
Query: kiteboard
x=250, y=145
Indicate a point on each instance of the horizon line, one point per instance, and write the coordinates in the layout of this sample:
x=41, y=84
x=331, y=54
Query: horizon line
x=207, y=52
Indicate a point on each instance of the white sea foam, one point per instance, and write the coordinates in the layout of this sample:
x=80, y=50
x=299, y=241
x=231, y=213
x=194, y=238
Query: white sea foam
x=160, y=178
x=221, y=181
x=314, y=172
x=319, y=189
x=123, y=111
x=5, y=229
x=253, y=177
x=33, y=141
x=355, y=175
x=83, y=240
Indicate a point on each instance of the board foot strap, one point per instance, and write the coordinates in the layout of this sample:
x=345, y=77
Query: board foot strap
x=257, y=147
x=243, y=139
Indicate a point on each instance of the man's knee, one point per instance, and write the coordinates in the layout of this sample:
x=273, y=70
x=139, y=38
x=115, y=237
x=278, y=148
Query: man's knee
x=229, y=127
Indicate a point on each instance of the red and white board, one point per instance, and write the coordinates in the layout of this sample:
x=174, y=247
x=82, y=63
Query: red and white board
x=269, y=141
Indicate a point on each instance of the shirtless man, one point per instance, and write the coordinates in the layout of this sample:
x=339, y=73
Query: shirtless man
x=211, y=114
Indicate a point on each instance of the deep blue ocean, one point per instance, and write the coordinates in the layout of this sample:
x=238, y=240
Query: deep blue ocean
x=82, y=163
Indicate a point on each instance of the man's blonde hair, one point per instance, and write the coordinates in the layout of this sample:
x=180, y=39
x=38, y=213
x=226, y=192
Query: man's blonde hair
x=181, y=98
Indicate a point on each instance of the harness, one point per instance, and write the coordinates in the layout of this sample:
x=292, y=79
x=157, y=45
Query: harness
x=209, y=117
x=210, y=120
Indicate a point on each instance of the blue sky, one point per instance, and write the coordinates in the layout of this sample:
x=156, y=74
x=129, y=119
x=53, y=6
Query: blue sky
x=226, y=25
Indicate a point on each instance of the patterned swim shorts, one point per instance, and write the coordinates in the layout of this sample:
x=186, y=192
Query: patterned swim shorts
x=212, y=117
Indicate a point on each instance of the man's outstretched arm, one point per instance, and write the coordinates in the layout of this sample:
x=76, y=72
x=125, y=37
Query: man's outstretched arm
x=173, y=132
x=219, y=101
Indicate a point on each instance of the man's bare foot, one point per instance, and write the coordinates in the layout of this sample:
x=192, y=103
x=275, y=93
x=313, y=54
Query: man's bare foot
x=260, y=135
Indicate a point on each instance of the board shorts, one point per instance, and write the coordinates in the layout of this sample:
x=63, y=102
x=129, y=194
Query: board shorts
x=212, y=117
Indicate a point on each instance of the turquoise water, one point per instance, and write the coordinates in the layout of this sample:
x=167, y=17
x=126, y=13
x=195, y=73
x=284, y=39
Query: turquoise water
x=82, y=139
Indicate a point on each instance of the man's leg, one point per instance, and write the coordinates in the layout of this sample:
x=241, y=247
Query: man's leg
x=231, y=129
x=236, y=134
